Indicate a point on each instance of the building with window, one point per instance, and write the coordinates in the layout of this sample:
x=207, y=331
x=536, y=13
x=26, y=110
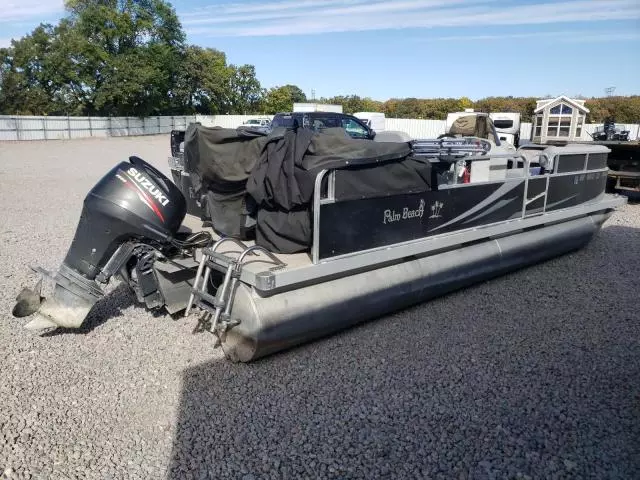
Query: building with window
x=558, y=119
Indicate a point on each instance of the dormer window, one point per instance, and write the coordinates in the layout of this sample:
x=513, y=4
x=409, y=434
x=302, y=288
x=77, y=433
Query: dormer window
x=561, y=109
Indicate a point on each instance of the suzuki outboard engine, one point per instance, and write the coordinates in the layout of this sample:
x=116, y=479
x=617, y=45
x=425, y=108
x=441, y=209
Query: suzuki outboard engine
x=132, y=213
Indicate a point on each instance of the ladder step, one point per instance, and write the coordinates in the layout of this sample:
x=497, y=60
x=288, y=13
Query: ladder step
x=221, y=304
x=209, y=298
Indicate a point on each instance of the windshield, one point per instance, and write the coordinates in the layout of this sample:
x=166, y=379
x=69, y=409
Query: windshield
x=503, y=123
x=283, y=121
x=354, y=129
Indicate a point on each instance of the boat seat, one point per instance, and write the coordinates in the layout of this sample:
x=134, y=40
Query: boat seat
x=533, y=156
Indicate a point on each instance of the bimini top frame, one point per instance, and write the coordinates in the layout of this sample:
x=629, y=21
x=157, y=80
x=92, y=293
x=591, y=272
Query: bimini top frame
x=269, y=279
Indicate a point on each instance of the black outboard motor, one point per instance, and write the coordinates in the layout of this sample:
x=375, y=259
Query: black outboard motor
x=133, y=209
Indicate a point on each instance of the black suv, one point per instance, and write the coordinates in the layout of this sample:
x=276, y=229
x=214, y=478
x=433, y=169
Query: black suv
x=354, y=127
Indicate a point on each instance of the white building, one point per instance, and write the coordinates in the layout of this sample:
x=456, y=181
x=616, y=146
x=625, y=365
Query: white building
x=558, y=119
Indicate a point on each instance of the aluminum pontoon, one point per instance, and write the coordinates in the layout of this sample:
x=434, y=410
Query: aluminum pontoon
x=464, y=216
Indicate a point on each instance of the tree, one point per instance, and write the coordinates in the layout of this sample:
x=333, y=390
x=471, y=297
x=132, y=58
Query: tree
x=132, y=53
x=281, y=99
x=465, y=102
x=129, y=57
x=354, y=103
x=119, y=26
x=622, y=109
x=244, y=93
x=203, y=79
x=41, y=73
x=436, y=108
x=119, y=57
x=26, y=89
x=523, y=105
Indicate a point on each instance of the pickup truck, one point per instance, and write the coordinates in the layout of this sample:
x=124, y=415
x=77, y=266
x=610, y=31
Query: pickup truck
x=179, y=176
x=353, y=126
x=262, y=124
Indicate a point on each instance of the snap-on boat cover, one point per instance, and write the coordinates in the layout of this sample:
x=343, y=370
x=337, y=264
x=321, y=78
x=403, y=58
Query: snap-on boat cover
x=473, y=126
x=271, y=177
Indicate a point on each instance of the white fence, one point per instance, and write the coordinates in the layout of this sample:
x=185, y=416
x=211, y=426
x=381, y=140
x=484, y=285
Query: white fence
x=17, y=128
x=61, y=128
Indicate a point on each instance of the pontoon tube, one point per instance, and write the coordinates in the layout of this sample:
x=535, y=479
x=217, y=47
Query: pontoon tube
x=274, y=323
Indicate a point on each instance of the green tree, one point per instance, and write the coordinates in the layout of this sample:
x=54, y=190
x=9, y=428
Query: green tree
x=523, y=105
x=622, y=109
x=281, y=99
x=370, y=105
x=25, y=86
x=132, y=53
x=203, y=79
x=119, y=57
x=244, y=94
x=431, y=109
x=354, y=103
x=465, y=102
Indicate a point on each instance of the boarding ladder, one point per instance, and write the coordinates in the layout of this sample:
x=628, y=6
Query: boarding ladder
x=218, y=307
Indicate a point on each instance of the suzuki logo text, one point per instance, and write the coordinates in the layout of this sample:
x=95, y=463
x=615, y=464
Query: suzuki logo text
x=147, y=185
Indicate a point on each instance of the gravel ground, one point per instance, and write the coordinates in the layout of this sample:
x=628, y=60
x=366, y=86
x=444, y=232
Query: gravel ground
x=532, y=375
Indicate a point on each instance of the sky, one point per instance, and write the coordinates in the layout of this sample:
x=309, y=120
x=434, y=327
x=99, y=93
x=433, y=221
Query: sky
x=408, y=48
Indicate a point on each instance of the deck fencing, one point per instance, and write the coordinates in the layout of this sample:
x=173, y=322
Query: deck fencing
x=26, y=128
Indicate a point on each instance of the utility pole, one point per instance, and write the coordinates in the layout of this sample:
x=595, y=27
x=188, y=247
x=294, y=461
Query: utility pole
x=608, y=92
x=313, y=94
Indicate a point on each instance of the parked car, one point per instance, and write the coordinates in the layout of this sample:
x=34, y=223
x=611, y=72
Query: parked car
x=261, y=124
x=354, y=127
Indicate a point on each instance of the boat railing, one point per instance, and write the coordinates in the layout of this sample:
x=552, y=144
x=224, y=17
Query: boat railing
x=450, y=148
x=325, y=191
x=532, y=168
x=353, y=234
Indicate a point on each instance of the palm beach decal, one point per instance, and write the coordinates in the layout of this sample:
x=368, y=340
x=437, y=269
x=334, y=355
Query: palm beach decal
x=435, y=209
x=391, y=216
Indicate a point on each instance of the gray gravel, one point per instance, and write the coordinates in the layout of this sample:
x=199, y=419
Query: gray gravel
x=532, y=375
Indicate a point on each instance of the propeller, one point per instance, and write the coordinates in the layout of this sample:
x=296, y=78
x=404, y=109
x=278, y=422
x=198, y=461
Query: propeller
x=28, y=301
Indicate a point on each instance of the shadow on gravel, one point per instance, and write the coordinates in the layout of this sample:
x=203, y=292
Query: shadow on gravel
x=487, y=383
x=108, y=307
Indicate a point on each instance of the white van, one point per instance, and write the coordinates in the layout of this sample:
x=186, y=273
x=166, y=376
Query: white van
x=374, y=120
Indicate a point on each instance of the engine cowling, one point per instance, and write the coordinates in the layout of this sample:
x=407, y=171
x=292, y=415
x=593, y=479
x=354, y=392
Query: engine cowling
x=133, y=203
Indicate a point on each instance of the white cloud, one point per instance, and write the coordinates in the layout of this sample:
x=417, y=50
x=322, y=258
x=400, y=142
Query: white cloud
x=300, y=9
x=29, y=10
x=5, y=42
x=244, y=8
x=563, y=36
x=324, y=16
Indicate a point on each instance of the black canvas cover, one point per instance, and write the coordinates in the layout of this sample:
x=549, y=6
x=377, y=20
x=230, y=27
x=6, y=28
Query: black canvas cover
x=222, y=157
x=219, y=161
x=409, y=175
x=282, y=182
x=277, y=173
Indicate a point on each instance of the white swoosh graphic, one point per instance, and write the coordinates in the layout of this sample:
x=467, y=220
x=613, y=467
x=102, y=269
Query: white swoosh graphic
x=497, y=206
x=506, y=187
x=562, y=201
